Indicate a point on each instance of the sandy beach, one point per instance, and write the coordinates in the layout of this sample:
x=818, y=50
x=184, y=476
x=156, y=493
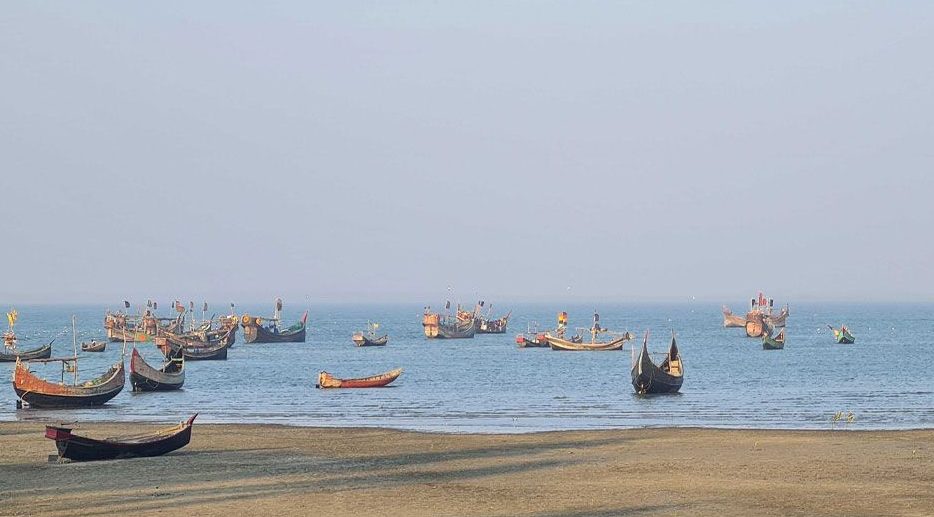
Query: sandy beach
x=252, y=469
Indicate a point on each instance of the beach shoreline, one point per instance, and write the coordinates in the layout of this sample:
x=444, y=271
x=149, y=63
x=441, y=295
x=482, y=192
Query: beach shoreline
x=252, y=468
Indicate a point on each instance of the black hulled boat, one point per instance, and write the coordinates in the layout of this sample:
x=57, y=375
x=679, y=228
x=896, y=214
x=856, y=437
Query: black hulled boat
x=80, y=448
x=664, y=378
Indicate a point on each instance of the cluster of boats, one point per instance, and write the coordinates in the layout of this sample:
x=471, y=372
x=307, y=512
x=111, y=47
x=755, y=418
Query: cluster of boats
x=761, y=322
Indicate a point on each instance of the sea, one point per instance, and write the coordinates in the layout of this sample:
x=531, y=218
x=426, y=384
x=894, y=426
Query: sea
x=489, y=385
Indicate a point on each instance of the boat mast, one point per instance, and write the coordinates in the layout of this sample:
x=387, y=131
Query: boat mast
x=74, y=342
x=278, y=313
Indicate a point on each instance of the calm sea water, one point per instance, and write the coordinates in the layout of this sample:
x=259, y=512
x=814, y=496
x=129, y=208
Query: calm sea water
x=487, y=384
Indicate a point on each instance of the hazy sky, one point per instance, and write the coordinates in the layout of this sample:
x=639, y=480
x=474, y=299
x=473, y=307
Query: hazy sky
x=512, y=150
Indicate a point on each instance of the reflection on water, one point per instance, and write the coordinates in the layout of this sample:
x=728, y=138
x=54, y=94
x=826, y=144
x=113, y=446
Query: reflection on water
x=487, y=384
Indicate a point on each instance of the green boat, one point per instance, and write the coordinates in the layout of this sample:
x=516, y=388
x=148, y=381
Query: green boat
x=842, y=335
x=774, y=343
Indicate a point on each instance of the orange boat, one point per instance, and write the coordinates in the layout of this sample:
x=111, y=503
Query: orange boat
x=326, y=380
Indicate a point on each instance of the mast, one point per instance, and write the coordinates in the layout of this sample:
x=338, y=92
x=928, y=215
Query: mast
x=74, y=342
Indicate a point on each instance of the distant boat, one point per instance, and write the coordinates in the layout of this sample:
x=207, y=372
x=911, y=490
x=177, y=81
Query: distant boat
x=94, y=346
x=193, y=348
x=326, y=380
x=143, y=377
x=842, y=335
x=664, y=378
x=446, y=326
x=486, y=323
x=732, y=320
x=757, y=325
x=123, y=327
x=776, y=343
x=266, y=330
x=532, y=337
x=79, y=448
x=370, y=338
x=15, y=354
x=557, y=342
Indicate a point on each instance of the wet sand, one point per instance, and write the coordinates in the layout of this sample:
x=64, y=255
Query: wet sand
x=251, y=469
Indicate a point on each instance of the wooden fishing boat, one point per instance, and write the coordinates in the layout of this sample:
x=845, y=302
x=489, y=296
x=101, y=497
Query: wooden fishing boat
x=557, y=343
x=370, y=338
x=486, y=323
x=842, y=335
x=80, y=448
x=94, y=346
x=193, y=348
x=143, y=377
x=266, y=330
x=40, y=393
x=664, y=378
x=326, y=380
x=732, y=320
x=15, y=354
x=776, y=343
x=532, y=337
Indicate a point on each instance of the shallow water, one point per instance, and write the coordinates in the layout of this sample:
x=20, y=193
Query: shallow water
x=487, y=384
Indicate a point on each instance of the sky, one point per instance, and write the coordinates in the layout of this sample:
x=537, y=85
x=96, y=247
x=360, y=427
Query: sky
x=516, y=151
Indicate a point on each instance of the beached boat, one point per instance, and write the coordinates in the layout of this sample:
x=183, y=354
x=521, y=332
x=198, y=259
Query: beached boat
x=664, y=378
x=15, y=354
x=143, y=377
x=732, y=320
x=326, y=380
x=257, y=329
x=94, y=346
x=370, y=337
x=776, y=343
x=81, y=448
x=40, y=393
x=842, y=335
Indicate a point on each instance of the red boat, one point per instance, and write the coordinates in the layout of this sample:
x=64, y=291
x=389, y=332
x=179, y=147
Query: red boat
x=326, y=380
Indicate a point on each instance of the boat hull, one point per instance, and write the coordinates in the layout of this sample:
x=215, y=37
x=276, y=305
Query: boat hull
x=776, y=343
x=564, y=345
x=43, y=352
x=144, y=377
x=326, y=380
x=79, y=448
x=647, y=378
x=364, y=340
x=39, y=393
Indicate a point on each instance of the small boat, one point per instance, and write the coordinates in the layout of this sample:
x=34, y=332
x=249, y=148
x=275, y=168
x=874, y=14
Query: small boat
x=40, y=393
x=664, y=378
x=779, y=319
x=842, y=335
x=80, y=448
x=15, y=354
x=266, y=330
x=326, y=380
x=94, y=346
x=370, y=338
x=532, y=337
x=732, y=320
x=143, y=377
x=576, y=343
x=776, y=343
x=486, y=323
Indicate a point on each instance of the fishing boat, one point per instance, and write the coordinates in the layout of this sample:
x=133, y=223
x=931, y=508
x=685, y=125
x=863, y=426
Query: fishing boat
x=647, y=378
x=257, y=329
x=123, y=327
x=557, y=342
x=370, y=337
x=15, y=354
x=532, y=337
x=732, y=320
x=777, y=320
x=486, y=323
x=842, y=335
x=81, y=448
x=143, y=377
x=776, y=343
x=326, y=380
x=194, y=348
x=40, y=393
x=446, y=326
x=94, y=346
